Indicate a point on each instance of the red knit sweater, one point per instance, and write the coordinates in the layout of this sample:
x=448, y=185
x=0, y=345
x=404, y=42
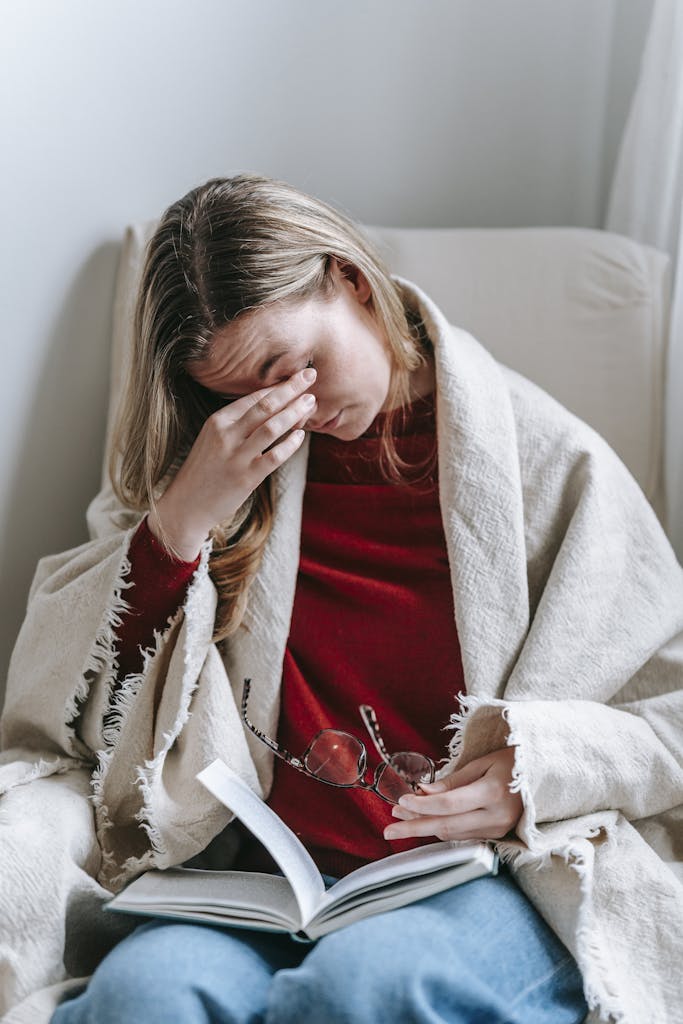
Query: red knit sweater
x=373, y=622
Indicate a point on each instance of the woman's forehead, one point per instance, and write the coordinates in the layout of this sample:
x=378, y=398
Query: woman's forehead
x=242, y=353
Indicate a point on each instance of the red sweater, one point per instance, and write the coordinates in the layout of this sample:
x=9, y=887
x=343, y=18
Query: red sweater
x=373, y=622
x=159, y=586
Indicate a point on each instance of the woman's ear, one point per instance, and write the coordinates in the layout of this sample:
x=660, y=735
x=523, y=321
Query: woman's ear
x=348, y=275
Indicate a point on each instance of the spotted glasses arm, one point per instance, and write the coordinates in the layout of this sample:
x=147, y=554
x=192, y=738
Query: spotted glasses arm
x=295, y=762
x=372, y=725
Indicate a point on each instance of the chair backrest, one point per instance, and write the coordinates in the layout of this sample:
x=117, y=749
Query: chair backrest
x=582, y=313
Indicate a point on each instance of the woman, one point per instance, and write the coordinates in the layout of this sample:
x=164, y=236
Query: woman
x=330, y=478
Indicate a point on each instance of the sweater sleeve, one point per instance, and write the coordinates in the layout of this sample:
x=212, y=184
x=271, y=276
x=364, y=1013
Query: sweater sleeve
x=158, y=585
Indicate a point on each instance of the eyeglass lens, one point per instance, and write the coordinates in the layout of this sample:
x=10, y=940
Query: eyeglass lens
x=339, y=758
x=400, y=776
x=336, y=757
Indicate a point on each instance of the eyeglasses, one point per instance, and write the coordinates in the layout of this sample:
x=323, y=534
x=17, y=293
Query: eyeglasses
x=340, y=759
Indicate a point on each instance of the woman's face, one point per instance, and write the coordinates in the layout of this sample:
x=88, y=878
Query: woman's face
x=338, y=335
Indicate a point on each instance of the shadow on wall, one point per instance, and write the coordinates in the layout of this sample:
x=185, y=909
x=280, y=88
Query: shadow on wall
x=58, y=462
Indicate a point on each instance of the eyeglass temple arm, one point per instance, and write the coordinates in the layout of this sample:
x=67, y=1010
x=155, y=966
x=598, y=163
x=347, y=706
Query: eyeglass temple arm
x=295, y=762
x=372, y=725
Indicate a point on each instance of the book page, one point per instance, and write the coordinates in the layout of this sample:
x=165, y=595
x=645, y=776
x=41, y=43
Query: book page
x=394, y=895
x=408, y=864
x=227, y=897
x=290, y=854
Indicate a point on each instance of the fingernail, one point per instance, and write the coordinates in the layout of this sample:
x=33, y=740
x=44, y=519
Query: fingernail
x=433, y=787
x=388, y=832
x=309, y=374
x=308, y=400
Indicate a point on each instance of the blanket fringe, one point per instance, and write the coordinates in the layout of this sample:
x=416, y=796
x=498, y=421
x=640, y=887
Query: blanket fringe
x=122, y=702
x=15, y=774
x=468, y=704
x=520, y=780
x=578, y=855
x=101, y=659
x=590, y=953
x=131, y=866
x=102, y=655
x=121, y=706
x=149, y=774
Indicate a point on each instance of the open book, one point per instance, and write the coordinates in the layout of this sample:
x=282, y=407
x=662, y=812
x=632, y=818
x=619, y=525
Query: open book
x=297, y=901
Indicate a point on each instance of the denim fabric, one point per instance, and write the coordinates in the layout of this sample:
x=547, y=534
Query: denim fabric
x=479, y=953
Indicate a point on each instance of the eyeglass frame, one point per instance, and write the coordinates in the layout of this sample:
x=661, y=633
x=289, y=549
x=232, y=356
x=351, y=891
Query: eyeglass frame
x=370, y=722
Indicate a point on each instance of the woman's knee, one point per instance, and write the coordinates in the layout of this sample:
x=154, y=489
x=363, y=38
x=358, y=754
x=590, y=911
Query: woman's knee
x=150, y=976
x=456, y=957
x=349, y=975
x=346, y=979
x=175, y=972
x=370, y=974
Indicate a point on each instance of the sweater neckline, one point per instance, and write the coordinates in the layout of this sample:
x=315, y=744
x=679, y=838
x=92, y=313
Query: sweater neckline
x=413, y=429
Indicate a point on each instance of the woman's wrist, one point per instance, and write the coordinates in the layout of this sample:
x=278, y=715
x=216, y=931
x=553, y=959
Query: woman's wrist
x=182, y=541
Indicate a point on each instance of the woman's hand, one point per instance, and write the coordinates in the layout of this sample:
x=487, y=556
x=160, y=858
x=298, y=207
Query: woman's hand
x=473, y=802
x=237, y=447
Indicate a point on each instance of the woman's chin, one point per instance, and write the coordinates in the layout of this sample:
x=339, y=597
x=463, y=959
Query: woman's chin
x=349, y=424
x=350, y=428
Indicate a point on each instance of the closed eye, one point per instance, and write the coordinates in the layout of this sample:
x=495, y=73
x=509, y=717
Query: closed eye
x=280, y=380
x=286, y=376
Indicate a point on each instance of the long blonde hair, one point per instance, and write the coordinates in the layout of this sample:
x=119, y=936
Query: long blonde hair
x=232, y=245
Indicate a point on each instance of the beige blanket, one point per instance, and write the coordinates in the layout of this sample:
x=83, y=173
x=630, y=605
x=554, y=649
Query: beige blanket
x=569, y=607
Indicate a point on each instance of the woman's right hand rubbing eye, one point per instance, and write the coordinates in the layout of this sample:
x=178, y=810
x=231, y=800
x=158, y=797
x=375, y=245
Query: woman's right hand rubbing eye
x=237, y=448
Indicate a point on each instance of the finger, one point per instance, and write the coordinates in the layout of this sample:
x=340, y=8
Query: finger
x=235, y=408
x=459, y=777
x=278, y=453
x=454, y=801
x=268, y=433
x=403, y=814
x=474, y=825
x=253, y=410
x=301, y=422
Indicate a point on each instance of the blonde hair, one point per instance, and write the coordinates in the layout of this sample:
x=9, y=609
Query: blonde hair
x=229, y=246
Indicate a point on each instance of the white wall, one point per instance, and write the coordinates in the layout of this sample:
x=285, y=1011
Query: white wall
x=404, y=112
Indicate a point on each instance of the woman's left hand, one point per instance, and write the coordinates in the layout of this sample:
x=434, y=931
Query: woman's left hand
x=473, y=802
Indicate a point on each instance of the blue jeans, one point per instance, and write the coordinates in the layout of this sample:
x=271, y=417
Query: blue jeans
x=479, y=953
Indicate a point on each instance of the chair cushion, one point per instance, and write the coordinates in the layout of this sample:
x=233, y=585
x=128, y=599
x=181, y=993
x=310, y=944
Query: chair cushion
x=582, y=313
